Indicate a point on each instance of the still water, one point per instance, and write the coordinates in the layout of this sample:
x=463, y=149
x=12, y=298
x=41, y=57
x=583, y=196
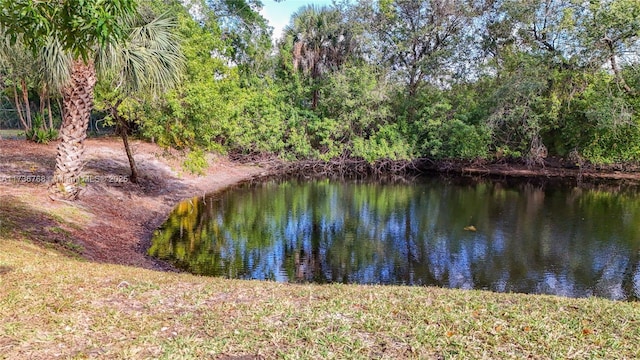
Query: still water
x=456, y=233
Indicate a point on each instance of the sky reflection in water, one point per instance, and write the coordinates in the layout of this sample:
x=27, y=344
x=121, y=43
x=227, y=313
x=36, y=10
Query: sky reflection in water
x=530, y=238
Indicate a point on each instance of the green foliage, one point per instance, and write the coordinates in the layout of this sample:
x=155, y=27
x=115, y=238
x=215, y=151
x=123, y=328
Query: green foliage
x=600, y=123
x=418, y=38
x=189, y=115
x=78, y=24
x=447, y=125
x=357, y=99
x=39, y=133
x=396, y=79
x=257, y=121
x=388, y=142
x=455, y=140
x=195, y=162
x=318, y=41
x=615, y=145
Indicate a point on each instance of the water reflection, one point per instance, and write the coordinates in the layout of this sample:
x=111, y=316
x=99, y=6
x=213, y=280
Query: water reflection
x=554, y=240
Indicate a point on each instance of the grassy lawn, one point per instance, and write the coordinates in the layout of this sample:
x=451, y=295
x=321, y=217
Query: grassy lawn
x=11, y=134
x=57, y=306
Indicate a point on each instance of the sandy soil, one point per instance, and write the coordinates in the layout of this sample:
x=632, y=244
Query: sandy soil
x=113, y=220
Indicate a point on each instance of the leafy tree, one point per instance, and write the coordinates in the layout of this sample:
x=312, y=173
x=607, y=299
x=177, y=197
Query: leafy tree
x=195, y=113
x=243, y=29
x=614, y=29
x=547, y=55
x=18, y=66
x=221, y=102
x=417, y=37
x=357, y=98
x=80, y=26
x=146, y=64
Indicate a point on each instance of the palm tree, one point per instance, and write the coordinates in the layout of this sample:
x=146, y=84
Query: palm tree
x=77, y=37
x=321, y=42
x=80, y=27
x=148, y=60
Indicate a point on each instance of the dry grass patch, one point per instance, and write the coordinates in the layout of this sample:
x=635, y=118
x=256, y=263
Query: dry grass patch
x=54, y=306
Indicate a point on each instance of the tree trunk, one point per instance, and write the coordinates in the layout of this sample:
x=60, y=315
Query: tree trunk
x=125, y=140
x=132, y=162
x=49, y=112
x=27, y=105
x=19, y=108
x=124, y=133
x=616, y=69
x=77, y=102
x=42, y=107
x=619, y=78
x=314, y=100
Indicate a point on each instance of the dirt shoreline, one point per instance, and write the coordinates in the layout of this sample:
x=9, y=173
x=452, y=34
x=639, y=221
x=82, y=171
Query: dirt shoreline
x=550, y=172
x=114, y=220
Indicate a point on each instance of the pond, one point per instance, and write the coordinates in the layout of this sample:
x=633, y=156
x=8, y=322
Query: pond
x=455, y=233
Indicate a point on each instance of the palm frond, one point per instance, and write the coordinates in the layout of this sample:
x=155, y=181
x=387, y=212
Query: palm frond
x=320, y=40
x=150, y=60
x=55, y=64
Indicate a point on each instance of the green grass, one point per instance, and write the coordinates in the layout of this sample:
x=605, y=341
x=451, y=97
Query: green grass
x=56, y=306
x=11, y=134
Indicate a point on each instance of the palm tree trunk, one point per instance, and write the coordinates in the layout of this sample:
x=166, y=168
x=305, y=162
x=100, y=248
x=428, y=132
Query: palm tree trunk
x=77, y=102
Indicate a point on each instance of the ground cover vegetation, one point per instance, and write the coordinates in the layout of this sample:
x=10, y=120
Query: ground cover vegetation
x=87, y=310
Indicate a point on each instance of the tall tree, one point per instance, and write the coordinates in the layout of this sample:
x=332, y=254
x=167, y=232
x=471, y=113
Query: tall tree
x=417, y=37
x=145, y=65
x=81, y=26
x=244, y=29
x=611, y=30
x=17, y=68
x=320, y=41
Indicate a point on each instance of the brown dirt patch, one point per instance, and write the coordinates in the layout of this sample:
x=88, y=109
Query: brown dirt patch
x=113, y=219
x=549, y=172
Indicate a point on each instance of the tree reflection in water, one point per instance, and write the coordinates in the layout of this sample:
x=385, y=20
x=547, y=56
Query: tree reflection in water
x=530, y=238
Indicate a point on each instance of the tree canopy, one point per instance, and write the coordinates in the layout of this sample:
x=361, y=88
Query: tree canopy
x=388, y=79
x=78, y=24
